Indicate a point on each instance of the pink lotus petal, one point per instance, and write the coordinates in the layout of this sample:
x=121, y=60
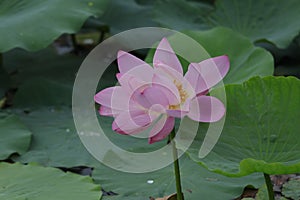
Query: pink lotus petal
x=113, y=97
x=136, y=77
x=205, y=92
x=204, y=75
x=150, y=96
x=126, y=62
x=118, y=75
x=206, y=109
x=180, y=110
x=133, y=67
x=142, y=72
x=161, y=129
x=131, y=83
x=177, y=113
x=165, y=54
x=106, y=111
x=104, y=97
x=167, y=71
x=155, y=111
x=175, y=77
x=168, y=88
x=131, y=122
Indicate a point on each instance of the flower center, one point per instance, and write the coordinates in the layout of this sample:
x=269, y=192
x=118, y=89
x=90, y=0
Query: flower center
x=182, y=93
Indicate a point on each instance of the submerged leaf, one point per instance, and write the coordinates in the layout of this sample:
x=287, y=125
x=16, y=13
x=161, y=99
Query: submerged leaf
x=291, y=189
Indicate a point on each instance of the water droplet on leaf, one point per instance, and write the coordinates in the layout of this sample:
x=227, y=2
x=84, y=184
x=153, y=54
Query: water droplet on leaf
x=150, y=181
x=211, y=179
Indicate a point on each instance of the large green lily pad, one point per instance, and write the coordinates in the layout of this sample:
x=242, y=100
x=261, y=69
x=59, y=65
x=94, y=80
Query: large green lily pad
x=182, y=14
x=274, y=21
x=44, y=183
x=261, y=131
x=246, y=60
x=33, y=25
x=197, y=182
x=15, y=136
x=125, y=15
x=43, y=77
x=23, y=65
x=40, y=92
x=55, y=141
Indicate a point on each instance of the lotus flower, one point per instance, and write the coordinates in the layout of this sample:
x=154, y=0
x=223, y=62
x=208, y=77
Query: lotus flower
x=152, y=97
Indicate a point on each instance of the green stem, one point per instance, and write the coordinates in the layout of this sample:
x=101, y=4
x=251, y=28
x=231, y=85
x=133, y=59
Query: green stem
x=269, y=186
x=176, y=167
